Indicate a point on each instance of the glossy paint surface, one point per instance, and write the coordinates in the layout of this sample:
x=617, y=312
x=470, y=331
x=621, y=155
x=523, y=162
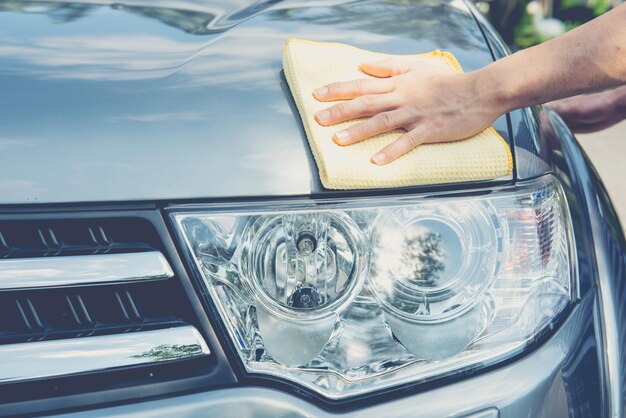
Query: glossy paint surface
x=174, y=100
x=544, y=143
x=164, y=100
x=576, y=372
x=601, y=248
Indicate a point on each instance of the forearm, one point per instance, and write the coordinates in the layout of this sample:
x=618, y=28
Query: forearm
x=587, y=59
x=434, y=103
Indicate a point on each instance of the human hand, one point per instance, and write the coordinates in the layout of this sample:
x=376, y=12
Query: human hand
x=592, y=112
x=430, y=101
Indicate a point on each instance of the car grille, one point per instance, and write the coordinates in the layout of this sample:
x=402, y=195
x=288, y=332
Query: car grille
x=80, y=297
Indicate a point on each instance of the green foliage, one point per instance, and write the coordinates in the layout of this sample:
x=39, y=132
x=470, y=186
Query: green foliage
x=171, y=352
x=424, y=255
x=571, y=25
x=600, y=6
x=512, y=21
x=525, y=34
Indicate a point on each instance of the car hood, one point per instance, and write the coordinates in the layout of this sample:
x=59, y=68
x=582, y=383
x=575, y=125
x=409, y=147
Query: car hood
x=173, y=100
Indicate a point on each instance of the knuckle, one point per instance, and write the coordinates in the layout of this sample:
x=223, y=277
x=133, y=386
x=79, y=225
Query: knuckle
x=399, y=66
x=333, y=88
x=395, y=148
x=411, y=140
x=385, y=120
x=342, y=109
x=437, y=124
x=361, y=85
x=369, y=100
x=357, y=130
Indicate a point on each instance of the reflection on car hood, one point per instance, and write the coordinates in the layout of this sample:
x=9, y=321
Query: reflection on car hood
x=165, y=100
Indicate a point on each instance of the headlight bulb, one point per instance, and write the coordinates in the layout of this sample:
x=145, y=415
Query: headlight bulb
x=305, y=268
x=305, y=296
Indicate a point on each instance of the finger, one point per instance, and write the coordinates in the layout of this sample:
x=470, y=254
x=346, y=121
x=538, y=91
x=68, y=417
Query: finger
x=351, y=89
x=356, y=108
x=400, y=146
x=377, y=124
x=386, y=68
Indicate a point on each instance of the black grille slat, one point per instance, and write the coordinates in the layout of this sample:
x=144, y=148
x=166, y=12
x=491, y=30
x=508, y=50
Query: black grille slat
x=26, y=239
x=4, y=247
x=78, y=310
x=52, y=313
x=29, y=315
x=122, y=306
x=49, y=241
x=65, y=312
x=42, y=314
x=73, y=310
x=84, y=311
x=132, y=307
x=100, y=240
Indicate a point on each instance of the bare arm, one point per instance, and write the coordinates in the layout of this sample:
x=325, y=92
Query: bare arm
x=410, y=95
x=592, y=112
x=591, y=57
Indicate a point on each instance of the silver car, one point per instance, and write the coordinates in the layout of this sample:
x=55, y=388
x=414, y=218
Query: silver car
x=167, y=248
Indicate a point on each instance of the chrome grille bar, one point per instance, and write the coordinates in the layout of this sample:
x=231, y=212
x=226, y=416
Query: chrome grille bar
x=44, y=272
x=42, y=359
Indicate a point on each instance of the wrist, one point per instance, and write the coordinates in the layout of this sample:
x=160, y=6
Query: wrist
x=491, y=90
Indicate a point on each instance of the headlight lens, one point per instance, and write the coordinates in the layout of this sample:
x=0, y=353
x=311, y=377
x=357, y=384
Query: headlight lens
x=350, y=297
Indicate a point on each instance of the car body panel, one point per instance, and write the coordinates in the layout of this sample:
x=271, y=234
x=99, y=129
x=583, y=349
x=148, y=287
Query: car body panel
x=605, y=255
x=539, y=385
x=572, y=372
x=138, y=101
x=185, y=102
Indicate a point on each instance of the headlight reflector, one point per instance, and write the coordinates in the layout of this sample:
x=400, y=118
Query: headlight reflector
x=432, y=262
x=350, y=297
x=303, y=265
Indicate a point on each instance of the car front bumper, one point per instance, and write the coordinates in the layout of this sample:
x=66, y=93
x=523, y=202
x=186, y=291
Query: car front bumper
x=561, y=378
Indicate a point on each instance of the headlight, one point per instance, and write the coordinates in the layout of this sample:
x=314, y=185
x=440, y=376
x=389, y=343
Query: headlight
x=350, y=297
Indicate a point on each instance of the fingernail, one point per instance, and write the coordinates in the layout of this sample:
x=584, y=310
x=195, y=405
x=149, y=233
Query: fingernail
x=321, y=92
x=378, y=158
x=341, y=137
x=323, y=116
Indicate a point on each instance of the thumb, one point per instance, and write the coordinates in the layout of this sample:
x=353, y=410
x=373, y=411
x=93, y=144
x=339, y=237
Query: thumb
x=385, y=68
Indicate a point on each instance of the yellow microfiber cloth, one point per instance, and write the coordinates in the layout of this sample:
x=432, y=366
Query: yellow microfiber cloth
x=309, y=65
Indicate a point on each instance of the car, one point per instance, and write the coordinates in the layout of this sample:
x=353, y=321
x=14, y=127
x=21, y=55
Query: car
x=167, y=248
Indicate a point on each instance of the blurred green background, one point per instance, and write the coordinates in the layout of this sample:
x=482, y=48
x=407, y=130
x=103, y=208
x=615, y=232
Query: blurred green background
x=524, y=23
